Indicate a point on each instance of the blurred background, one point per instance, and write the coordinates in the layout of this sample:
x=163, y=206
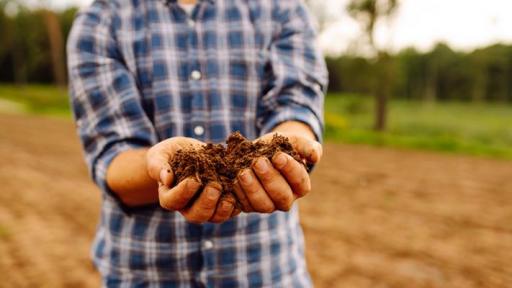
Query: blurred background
x=414, y=191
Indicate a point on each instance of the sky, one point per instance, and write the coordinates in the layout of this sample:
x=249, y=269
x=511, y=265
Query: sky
x=463, y=24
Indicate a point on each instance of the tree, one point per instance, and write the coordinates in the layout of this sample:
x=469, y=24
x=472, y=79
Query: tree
x=322, y=14
x=56, y=42
x=56, y=46
x=368, y=12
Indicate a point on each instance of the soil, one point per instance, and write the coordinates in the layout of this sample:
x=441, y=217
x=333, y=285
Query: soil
x=375, y=218
x=221, y=164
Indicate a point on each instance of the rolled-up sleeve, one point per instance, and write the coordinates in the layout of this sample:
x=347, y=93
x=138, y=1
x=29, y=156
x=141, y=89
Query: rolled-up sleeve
x=105, y=99
x=296, y=79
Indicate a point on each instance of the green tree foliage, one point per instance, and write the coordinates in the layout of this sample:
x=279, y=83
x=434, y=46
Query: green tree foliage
x=368, y=12
x=26, y=44
x=437, y=75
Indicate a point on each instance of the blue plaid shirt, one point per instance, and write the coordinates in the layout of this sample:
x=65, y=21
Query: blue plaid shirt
x=142, y=71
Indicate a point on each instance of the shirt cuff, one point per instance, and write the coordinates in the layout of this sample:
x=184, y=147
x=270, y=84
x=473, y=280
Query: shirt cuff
x=294, y=113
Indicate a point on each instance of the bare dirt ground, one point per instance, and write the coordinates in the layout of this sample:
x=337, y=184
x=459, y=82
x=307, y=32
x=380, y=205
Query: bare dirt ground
x=376, y=217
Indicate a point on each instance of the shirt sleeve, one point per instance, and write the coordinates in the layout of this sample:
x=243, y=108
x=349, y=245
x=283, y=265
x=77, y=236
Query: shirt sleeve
x=105, y=99
x=296, y=78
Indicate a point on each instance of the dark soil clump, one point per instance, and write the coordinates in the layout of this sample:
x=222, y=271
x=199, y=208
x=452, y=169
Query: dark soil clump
x=219, y=163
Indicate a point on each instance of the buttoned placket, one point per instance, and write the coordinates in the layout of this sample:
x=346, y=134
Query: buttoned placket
x=208, y=250
x=198, y=128
x=196, y=76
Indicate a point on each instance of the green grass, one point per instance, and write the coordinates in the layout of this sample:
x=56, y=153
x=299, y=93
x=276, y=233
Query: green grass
x=36, y=99
x=469, y=128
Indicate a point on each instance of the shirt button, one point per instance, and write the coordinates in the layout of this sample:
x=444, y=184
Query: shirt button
x=208, y=245
x=199, y=130
x=191, y=23
x=195, y=75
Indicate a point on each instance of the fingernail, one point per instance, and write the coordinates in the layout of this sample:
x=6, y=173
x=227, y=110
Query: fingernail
x=261, y=165
x=280, y=160
x=245, y=177
x=227, y=205
x=212, y=193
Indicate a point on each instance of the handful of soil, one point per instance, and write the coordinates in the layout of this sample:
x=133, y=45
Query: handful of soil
x=219, y=163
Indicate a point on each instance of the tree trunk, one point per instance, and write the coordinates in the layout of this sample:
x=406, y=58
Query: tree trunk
x=384, y=78
x=18, y=60
x=56, y=47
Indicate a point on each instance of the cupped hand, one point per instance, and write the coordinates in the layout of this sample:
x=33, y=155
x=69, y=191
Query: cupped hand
x=209, y=206
x=275, y=184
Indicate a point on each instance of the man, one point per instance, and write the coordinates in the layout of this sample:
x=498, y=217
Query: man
x=149, y=77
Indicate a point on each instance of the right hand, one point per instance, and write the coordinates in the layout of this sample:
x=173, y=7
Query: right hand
x=270, y=185
x=208, y=207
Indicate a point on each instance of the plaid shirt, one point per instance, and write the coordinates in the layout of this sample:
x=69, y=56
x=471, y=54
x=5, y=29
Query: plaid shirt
x=142, y=71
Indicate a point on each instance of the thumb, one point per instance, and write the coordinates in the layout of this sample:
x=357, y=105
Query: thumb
x=157, y=163
x=308, y=149
x=158, y=157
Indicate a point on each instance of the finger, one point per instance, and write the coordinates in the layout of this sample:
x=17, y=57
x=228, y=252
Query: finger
x=309, y=149
x=158, y=166
x=257, y=196
x=242, y=198
x=274, y=184
x=236, y=212
x=294, y=173
x=166, y=176
x=159, y=155
x=179, y=196
x=204, y=207
x=223, y=211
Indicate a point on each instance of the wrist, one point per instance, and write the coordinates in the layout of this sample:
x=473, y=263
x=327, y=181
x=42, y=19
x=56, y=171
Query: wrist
x=296, y=127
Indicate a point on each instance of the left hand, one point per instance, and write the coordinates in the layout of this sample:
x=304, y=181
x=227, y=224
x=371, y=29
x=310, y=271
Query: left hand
x=209, y=206
x=274, y=185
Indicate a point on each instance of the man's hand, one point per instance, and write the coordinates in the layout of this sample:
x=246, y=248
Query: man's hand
x=208, y=207
x=274, y=185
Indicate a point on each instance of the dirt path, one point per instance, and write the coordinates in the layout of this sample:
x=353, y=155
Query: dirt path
x=376, y=218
